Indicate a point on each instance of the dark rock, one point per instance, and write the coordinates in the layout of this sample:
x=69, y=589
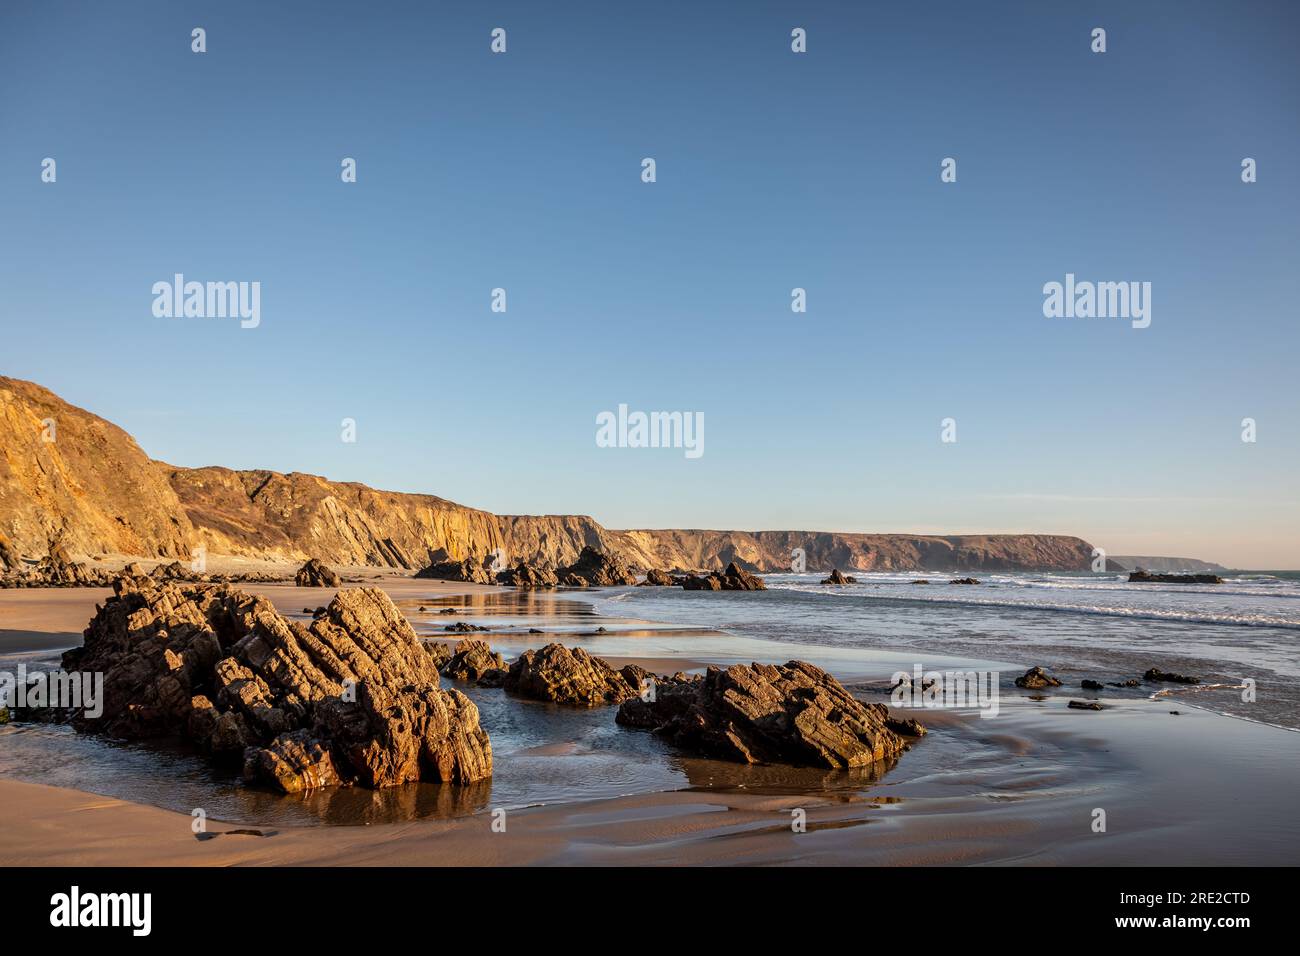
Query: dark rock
x=656, y=578
x=223, y=669
x=921, y=581
x=525, y=575
x=1092, y=685
x=906, y=727
x=1155, y=675
x=1131, y=682
x=599, y=568
x=837, y=578
x=733, y=578
x=571, y=676
x=466, y=570
x=790, y=714
x=1036, y=678
x=963, y=581
x=462, y=628
x=1148, y=577
x=475, y=662
x=1086, y=705
x=314, y=574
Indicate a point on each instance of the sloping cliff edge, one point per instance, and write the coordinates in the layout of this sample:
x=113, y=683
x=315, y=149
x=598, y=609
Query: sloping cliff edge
x=68, y=475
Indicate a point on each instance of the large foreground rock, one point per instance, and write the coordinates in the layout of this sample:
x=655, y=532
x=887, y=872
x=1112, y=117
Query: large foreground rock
x=761, y=713
x=565, y=675
x=351, y=697
x=315, y=574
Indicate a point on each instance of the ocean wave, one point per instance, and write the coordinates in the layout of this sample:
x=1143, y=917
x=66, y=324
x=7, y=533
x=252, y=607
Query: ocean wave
x=1244, y=618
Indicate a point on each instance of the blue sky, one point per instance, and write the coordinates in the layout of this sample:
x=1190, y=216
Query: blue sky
x=775, y=170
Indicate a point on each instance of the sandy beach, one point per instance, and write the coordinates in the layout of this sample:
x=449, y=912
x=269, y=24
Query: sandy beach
x=1187, y=788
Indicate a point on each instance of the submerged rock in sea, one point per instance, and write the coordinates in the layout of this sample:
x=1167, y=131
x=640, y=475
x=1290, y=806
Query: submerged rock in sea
x=1092, y=685
x=1148, y=577
x=474, y=661
x=762, y=713
x=352, y=697
x=1156, y=675
x=964, y=581
x=835, y=577
x=315, y=574
x=565, y=675
x=732, y=579
x=1086, y=705
x=1036, y=678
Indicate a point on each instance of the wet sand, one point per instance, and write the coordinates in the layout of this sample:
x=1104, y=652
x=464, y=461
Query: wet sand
x=1188, y=789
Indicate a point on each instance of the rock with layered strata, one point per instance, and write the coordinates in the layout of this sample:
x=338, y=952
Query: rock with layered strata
x=475, y=662
x=466, y=570
x=223, y=669
x=600, y=569
x=794, y=713
x=565, y=675
x=734, y=578
x=525, y=575
x=315, y=574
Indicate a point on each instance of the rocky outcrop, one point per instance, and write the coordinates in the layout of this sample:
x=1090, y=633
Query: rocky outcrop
x=760, y=713
x=733, y=579
x=571, y=676
x=835, y=577
x=475, y=662
x=315, y=574
x=353, y=697
x=963, y=581
x=1148, y=577
x=655, y=578
x=597, y=569
x=1036, y=678
x=525, y=575
x=466, y=570
x=1156, y=675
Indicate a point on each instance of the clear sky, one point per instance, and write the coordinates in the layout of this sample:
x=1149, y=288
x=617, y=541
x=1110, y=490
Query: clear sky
x=775, y=170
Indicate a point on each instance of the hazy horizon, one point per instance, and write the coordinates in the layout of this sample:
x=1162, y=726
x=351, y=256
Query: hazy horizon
x=775, y=171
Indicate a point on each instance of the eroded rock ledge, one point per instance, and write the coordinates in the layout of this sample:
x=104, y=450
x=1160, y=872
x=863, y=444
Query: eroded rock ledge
x=762, y=713
x=353, y=697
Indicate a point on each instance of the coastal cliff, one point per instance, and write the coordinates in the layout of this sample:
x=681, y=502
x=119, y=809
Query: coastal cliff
x=89, y=486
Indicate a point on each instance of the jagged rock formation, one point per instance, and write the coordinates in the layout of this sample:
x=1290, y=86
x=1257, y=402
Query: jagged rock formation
x=655, y=578
x=315, y=574
x=526, y=575
x=352, y=697
x=597, y=569
x=475, y=662
x=467, y=570
x=94, y=489
x=835, y=577
x=733, y=579
x=1036, y=678
x=572, y=676
x=761, y=713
